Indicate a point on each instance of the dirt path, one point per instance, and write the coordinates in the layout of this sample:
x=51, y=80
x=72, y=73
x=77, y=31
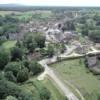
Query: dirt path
x=66, y=91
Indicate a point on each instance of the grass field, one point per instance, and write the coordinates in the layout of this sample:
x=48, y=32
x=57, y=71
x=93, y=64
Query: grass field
x=55, y=94
x=33, y=83
x=3, y=13
x=9, y=44
x=35, y=15
x=75, y=72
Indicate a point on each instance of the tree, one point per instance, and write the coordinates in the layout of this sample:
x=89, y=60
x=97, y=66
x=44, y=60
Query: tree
x=8, y=88
x=29, y=42
x=11, y=98
x=9, y=76
x=86, y=61
x=35, y=68
x=26, y=63
x=23, y=75
x=44, y=94
x=50, y=51
x=14, y=67
x=4, y=57
x=19, y=44
x=98, y=96
x=94, y=35
x=62, y=48
x=1, y=31
x=40, y=40
x=16, y=54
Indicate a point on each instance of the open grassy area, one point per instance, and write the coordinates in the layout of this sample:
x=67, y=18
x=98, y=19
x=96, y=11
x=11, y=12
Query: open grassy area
x=3, y=13
x=33, y=85
x=9, y=44
x=55, y=94
x=75, y=72
x=35, y=15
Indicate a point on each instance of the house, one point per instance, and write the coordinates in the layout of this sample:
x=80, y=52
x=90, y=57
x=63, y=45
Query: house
x=92, y=61
x=94, y=64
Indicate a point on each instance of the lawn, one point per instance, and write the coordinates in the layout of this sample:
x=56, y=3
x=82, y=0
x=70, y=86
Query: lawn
x=9, y=44
x=75, y=72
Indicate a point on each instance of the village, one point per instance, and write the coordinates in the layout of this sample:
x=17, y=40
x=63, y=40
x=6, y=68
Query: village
x=50, y=51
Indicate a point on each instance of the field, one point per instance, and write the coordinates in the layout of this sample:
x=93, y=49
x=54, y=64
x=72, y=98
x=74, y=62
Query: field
x=35, y=15
x=55, y=94
x=3, y=13
x=34, y=86
x=9, y=44
x=76, y=74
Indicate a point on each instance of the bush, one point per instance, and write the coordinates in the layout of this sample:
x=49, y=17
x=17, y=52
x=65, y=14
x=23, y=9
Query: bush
x=23, y=75
x=35, y=68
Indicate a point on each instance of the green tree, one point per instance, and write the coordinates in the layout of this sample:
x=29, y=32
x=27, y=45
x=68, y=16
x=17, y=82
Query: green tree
x=26, y=63
x=35, y=68
x=4, y=57
x=98, y=96
x=40, y=40
x=29, y=42
x=23, y=75
x=50, y=51
x=8, y=88
x=62, y=48
x=44, y=94
x=11, y=98
x=19, y=44
x=1, y=31
x=9, y=76
x=16, y=54
x=14, y=67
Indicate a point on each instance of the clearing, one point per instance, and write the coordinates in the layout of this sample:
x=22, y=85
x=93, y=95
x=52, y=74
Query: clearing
x=9, y=44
